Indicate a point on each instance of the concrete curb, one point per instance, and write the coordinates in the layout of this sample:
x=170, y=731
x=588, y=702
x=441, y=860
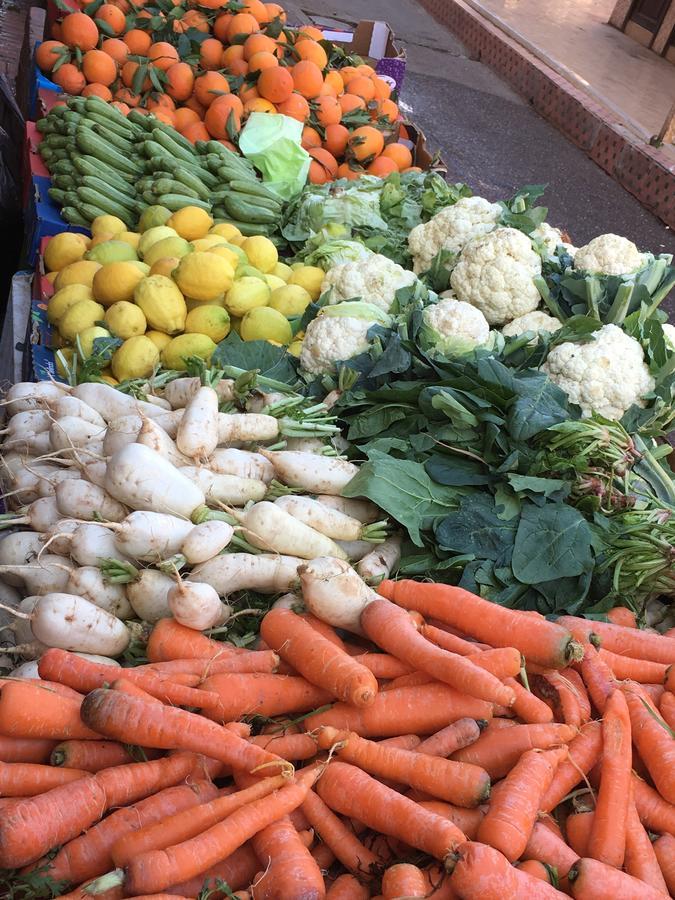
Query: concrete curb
x=642, y=170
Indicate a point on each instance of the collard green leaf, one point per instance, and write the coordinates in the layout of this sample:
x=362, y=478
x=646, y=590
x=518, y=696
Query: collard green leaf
x=376, y=420
x=477, y=529
x=539, y=404
x=552, y=541
x=456, y=470
x=270, y=361
x=540, y=489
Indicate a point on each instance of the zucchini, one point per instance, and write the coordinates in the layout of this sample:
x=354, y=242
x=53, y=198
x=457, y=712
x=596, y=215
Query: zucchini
x=177, y=137
x=90, y=212
x=110, y=207
x=65, y=167
x=256, y=189
x=117, y=142
x=143, y=123
x=245, y=211
x=154, y=150
x=175, y=202
x=94, y=145
x=172, y=146
x=71, y=198
x=106, y=190
x=75, y=217
x=57, y=195
x=63, y=182
x=263, y=202
x=89, y=165
x=169, y=186
x=184, y=176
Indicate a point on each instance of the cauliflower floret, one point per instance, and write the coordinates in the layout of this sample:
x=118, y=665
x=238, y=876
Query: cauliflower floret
x=329, y=340
x=375, y=279
x=609, y=254
x=451, y=229
x=453, y=326
x=533, y=321
x=495, y=273
x=605, y=376
x=548, y=236
x=669, y=334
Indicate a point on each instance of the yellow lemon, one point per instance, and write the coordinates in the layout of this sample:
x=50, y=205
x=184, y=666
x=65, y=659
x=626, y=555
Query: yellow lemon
x=196, y=304
x=111, y=224
x=111, y=251
x=152, y=236
x=183, y=347
x=310, y=278
x=228, y=253
x=261, y=253
x=51, y=277
x=108, y=378
x=79, y=316
x=159, y=339
x=162, y=303
x=63, y=249
x=172, y=246
x=290, y=300
x=62, y=300
x=125, y=320
x=80, y=272
x=141, y=266
x=153, y=216
x=295, y=349
x=164, y=266
x=245, y=270
x=116, y=281
x=281, y=270
x=203, y=276
x=86, y=338
x=101, y=238
x=191, y=222
x=63, y=359
x=226, y=230
x=213, y=321
x=265, y=324
x=245, y=294
x=133, y=238
x=136, y=358
x=210, y=240
x=274, y=282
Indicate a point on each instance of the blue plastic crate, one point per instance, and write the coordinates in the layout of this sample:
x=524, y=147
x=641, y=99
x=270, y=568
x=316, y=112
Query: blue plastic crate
x=38, y=82
x=42, y=219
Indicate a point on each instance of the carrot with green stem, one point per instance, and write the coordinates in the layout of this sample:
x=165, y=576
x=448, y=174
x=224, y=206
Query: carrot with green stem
x=29, y=779
x=498, y=750
x=592, y=879
x=640, y=860
x=543, y=642
x=288, y=866
x=512, y=812
x=452, y=738
x=404, y=880
x=632, y=642
x=664, y=848
x=483, y=873
x=653, y=740
x=26, y=750
x=319, y=660
x=584, y=752
x=545, y=846
x=92, y=756
x=607, y=842
x=392, y=629
x=176, y=828
x=28, y=711
x=459, y=783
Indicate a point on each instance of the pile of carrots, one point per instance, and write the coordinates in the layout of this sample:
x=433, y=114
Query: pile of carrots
x=250, y=62
x=451, y=749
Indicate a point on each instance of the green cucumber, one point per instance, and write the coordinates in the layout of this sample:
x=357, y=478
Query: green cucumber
x=245, y=211
x=143, y=123
x=110, y=207
x=109, y=192
x=170, y=186
x=115, y=141
x=183, y=175
x=256, y=189
x=75, y=217
x=89, y=165
x=177, y=137
x=272, y=205
x=91, y=143
x=172, y=146
x=57, y=195
x=175, y=202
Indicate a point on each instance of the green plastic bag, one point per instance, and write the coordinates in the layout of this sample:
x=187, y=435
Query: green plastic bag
x=272, y=143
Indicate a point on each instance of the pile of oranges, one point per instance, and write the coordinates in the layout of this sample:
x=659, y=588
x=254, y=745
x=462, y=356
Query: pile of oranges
x=203, y=69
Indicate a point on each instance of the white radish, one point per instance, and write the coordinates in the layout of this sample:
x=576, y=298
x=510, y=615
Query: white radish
x=158, y=401
x=97, y=658
x=32, y=420
x=197, y=435
x=246, y=427
x=246, y=464
x=335, y=593
x=151, y=536
x=36, y=443
x=120, y=432
x=306, y=444
x=111, y=404
x=381, y=561
x=355, y=550
x=72, y=406
x=13, y=462
x=9, y=595
x=197, y=605
x=265, y=573
x=18, y=549
x=92, y=543
x=169, y=421
x=269, y=528
x=142, y=479
x=289, y=601
x=228, y=489
x=94, y=470
x=71, y=431
x=88, y=582
x=363, y=510
x=22, y=630
x=25, y=485
x=312, y=473
x=148, y=595
x=180, y=391
x=26, y=670
x=331, y=522
x=69, y=622
x=33, y=395
x=41, y=515
x=59, y=537
x=82, y=500
x=47, y=484
x=46, y=573
x=206, y=541
x=153, y=436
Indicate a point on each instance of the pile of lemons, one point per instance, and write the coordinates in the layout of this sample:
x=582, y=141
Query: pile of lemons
x=170, y=291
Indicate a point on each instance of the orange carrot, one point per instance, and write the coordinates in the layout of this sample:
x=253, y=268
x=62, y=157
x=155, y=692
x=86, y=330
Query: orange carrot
x=246, y=661
x=438, y=881
x=341, y=840
x=655, y=814
x=624, y=641
x=347, y=887
x=403, y=880
x=667, y=709
x=641, y=670
x=578, y=828
x=176, y=828
x=82, y=893
x=607, y=842
x=579, y=688
x=527, y=707
x=351, y=792
x=670, y=679
x=453, y=737
x=237, y=871
x=158, y=869
x=418, y=710
x=500, y=661
x=564, y=697
x=640, y=860
x=511, y=814
x=29, y=711
x=92, y=756
x=293, y=747
x=655, y=691
x=545, y=846
x=392, y=629
x=497, y=751
x=652, y=740
x=170, y=640
x=61, y=689
x=32, y=827
x=536, y=869
x=448, y=641
x=664, y=848
x=90, y=854
x=482, y=873
x=134, y=721
x=467, y=820
x=597, y=677
x=133, y=689
x=591, y=878
x=621, y=615
x=29, y=779
x=382, y=665
x=403, y=741
x=259, y=694
x=585, y=751
x=321, y=661
x=459, y=783
x=29, y=750
x=289, y=870
x=326, y=630
x=323, y=856
x=412, y=680
x=543, y=642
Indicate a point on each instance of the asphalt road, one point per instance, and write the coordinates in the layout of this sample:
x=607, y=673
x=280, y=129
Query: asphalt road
x=490, y=137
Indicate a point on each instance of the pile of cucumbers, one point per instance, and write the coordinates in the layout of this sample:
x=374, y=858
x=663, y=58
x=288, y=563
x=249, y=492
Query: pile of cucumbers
x=104, y=163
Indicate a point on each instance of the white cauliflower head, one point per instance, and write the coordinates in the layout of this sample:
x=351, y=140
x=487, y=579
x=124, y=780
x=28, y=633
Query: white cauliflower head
x=548, y=236
x=375, y=279
x=453, y=326
x=606, y=375
x=495, y=273
x=609, y=254
x=451, y=228
x=669, y=335
x=532, y=321
x=330, y=340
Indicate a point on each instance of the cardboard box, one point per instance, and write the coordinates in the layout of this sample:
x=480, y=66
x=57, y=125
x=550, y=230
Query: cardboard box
x=376, y=43
x=416, y=142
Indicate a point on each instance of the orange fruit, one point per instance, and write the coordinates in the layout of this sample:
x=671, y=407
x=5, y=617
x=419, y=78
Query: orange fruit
x=137, y=41
x=180, y=81
x=113, y=17
x=258, y=104
x=275, y=84
x=400, y=154
x=347, y=73
x=70, y=79
x=209, y=86
x=361, y=87
x=382, y=166
x=193, y=18
x=307, y=78
x=296, y=107
x=98, y=67
x=210, y=54
x=310, y=138
x=213, y=4
x=196, y=132
x=126, y=96
x=116, y=49
x=350, y=102
x=312, y=51
x=230, y=54
x=310, y=32
x=97, y=90
x=336, y=140
x=346, y=171
x=382, y=89
x=78, y=30
x=163, y=55
x=275, y=11
x=248, y=92
x=160, y=101
x=221, y=25
x=45, y=55
x=365, y=143
x=240, y=24
x=328, y=110
x=184, y=117
x=238, y=67
x=334, y=78
x=56, y=31
x=256, y=8
x=262, y=60
x=323, y=166
x=258, y=43
x=367, y=71
x=194, y=104
x=128, y=72
x=122, y=107
x=164, y=115
x=219, y=112
x=388, y=110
